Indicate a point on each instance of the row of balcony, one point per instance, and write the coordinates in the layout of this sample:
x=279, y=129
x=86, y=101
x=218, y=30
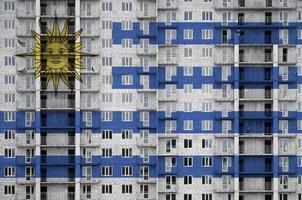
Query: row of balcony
x=255, y=5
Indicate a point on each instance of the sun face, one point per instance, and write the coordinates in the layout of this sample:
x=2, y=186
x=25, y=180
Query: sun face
x=56, y=58
x=57, y=55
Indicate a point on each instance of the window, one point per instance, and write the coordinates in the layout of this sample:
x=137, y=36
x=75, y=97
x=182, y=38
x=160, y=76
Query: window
x=9, y=134
x=206, y=162
x=188, y=88
x=106, y=79
x=9, y=61
x=106, y=25
x=170, y=125
x=127, y=25
x=106, y=134
x=206, y=125
x=207, y=71
x=299, y=161
x=126, y=134
x=9, y=5
x=188, y=161
x=206, y=143
x=106, y=42
x=86, y=190
x=9, y=79
x=126, y=61
x=9, y=189
x=106, y=97
x=283, y=163
x=188, y=34
x=207, y=16
x=241, y=18
x=127, y=43
x=188, y=180
x=188, y=52
x=284, y=18
x=206, y=52
x=188, y=125
x=188, y=15
x=9, y=98
x=188, y=106
x=188, y=143
x=87, y=118
x=206, y=196
x=9, y=42
x=188, y=71
x=9, y=116
x=127, y=80
x=87, y=172
x=106, y=189
x=107, y=152
x=207, y=88
x=9, y=153
x=127, y=116
x=126, y=152
x=144, y=117
x=226, y=163
x=206, y=180
x=126, y=6
x=207, y=34
x=126, y=189
x=106, y=171
x=9, y=171
x=107, y=116
x=106, y=6
x=206, y=106
x=299, y=15
x=126, y=171
x=9, y=24
x=29, y=118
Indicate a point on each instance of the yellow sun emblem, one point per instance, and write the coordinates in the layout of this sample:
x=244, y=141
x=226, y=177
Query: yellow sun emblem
x=57, y=55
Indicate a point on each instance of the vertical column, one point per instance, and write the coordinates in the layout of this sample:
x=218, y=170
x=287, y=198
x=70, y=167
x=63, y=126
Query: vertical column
x=236, y=119
x=77, y=115
x=275, y=122
x=37, y=117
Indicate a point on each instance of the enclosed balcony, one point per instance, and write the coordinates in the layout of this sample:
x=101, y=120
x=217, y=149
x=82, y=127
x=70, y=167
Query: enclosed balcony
x=55, y=140
x=59, y=101
x=57, y=120
x=255, y=184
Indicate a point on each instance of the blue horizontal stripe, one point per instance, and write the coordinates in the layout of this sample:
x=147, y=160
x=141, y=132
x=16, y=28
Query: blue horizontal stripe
x=251, y=78
x=254, y=166
x=253, y=122
x=157, y=32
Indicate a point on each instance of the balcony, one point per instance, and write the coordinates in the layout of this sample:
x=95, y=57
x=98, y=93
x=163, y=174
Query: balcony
x=146, y=51
x=168, y=60
x=23, y=142
x=23, y=13
x=223, y=96
x=288, y=96
x=256, y=5
x=58, y=102
x=57, y=160
x=252, y=185
x=57, y=141
x=167, y=188
x=165, y=96
x=57, y=195
x=255, y=95
x=146, y=142
x=167, y=5
x=148, y=14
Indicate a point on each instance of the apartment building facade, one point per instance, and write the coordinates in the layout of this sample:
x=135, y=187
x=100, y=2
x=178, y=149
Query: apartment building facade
x=182, y=100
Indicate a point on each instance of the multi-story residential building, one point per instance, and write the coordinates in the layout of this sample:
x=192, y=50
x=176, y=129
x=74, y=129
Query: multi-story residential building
x=183, y=100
